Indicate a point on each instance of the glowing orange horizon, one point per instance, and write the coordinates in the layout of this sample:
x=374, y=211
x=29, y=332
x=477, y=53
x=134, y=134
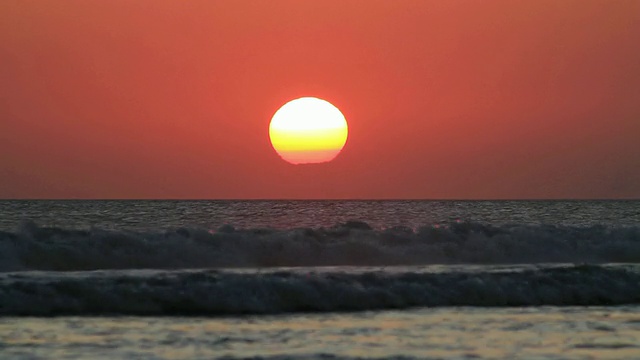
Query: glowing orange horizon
x=308, y=130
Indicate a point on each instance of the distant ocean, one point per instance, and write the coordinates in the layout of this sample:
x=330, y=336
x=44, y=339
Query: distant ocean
x=319, y=279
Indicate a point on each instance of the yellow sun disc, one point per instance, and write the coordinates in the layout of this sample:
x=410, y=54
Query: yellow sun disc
x=308, y=130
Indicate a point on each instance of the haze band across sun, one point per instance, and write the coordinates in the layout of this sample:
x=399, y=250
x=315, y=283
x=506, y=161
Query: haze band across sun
x=308, y=130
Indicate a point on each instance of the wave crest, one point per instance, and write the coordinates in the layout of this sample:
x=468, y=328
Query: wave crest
x=354, y=243
x=210, y=292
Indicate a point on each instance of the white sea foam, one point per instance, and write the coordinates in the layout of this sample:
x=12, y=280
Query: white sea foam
x=216, y=292
x=354, y=243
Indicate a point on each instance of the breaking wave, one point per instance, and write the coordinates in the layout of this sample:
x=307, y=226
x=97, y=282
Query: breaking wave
x=355, y=243
x=228, y=292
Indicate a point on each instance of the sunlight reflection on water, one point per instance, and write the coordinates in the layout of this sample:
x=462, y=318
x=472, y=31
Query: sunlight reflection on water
x=447, y=333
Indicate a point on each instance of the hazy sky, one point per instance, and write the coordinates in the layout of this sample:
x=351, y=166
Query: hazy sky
x=444, y=99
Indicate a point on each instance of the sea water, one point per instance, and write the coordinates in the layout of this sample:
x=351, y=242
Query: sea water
x=320, y=279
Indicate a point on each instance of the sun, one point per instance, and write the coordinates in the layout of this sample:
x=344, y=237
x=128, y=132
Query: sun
x=308, y=130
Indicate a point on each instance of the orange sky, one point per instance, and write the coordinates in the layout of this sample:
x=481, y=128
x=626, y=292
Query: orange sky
x=444, y=99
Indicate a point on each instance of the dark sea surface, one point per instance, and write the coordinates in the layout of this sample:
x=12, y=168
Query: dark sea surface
x=320, y=279
x=283, y=214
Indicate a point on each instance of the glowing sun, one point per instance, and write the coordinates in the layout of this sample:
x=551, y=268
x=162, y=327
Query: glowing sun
x=308, y=130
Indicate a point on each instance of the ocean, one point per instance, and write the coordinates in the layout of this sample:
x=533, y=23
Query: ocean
x=327, y=279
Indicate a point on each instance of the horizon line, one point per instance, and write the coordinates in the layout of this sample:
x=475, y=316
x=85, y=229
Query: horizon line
x=319, y=199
